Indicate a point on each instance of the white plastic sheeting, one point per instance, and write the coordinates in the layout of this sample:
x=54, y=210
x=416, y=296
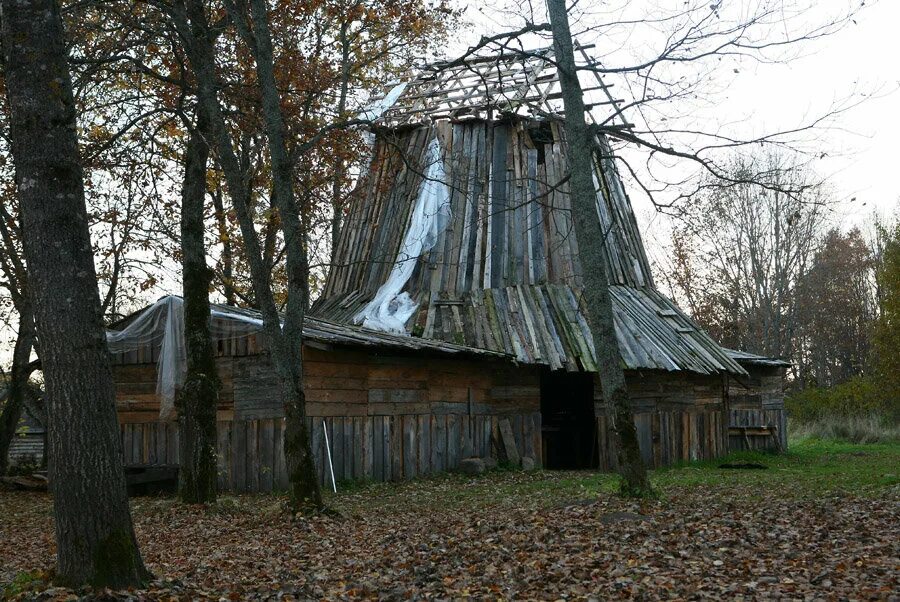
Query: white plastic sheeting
x=373, y=112
x=377, y=108
x=163, y=324
x=390, y=309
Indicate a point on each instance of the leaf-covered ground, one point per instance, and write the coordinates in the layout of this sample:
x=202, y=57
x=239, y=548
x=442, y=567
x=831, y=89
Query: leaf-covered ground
x=820, y=523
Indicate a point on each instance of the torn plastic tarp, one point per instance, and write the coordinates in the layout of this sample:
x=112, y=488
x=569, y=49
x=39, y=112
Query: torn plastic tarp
x=377, y=108
x=373, y=112
x=391, y=309
x=163, y=324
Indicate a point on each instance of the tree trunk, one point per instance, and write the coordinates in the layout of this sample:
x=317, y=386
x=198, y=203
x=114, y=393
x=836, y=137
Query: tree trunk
x=337, y=201
x=588, y=231
x=304, y=481
x=284, y=342
x=199, y=395
x=94, y=533
x=227, y=253
x=17, y=386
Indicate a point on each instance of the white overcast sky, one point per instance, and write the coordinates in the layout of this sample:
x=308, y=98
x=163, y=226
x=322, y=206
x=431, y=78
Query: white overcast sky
x=862, y=58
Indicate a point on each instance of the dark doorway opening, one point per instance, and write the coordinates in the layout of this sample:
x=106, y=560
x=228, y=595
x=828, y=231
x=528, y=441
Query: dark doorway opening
x=568, y=427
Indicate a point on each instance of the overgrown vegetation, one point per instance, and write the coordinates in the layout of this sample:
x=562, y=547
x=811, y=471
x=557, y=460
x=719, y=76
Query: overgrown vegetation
x=864, y=408
x=859, y=397
x=871, y=428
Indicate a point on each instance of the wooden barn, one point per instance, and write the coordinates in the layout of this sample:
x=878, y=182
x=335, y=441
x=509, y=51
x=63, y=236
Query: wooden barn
x=451, y=324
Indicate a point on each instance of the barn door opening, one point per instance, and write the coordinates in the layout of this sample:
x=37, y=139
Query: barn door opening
x=567, y=420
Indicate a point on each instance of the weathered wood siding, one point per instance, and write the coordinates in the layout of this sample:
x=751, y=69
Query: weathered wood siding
x=26, y=449
x=380, y=448
x=505, y=274
x=679, y=417
x=388, y=417
x=757, y=401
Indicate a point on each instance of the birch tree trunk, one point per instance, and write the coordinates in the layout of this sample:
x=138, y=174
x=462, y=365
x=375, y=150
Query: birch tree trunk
x=633, y=472
x=94, y=533
x=199, y=395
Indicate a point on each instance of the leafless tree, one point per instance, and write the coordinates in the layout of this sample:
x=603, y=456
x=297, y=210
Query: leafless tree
x=741, y=249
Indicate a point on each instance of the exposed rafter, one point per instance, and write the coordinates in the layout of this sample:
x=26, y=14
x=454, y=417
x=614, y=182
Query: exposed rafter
x=489, y=86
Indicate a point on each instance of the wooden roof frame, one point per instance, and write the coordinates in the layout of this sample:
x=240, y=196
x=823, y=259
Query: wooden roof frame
x=524, y=83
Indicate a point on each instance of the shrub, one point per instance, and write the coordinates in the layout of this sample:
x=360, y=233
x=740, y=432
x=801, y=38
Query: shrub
x=859, y=397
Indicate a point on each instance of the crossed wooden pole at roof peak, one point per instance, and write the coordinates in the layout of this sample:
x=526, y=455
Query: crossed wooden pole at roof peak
x=510, y=82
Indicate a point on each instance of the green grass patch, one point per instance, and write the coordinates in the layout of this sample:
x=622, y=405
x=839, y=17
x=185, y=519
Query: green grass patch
x=811, y=467
x=24, y=581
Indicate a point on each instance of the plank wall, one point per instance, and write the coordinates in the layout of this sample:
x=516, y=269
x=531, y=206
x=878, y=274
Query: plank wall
x=758, y=401
x=679, y=416
x=388, y=417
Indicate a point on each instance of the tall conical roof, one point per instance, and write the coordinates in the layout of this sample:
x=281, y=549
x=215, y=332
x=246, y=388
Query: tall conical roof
x=460, y=230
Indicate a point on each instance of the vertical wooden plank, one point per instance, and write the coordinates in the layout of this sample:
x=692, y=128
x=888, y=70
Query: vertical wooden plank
x=476, y=436
x=336, y=431
x=498, y=238
x=161, y=455
x=694, y=435
x=239, y=456
x=253, y=453
x=377, y=448
x=438, y=442
x=173, y=441
x=126, y=443
x=410, y=449
x=386, y=448
x=424, y=444
x=267, y=454
x=349, y=448
x=495, y=424
x=367, y=446
x=223, y=452
x=538, y=440
x=467, y=443
x=359, y=448
x=528, y=437
x=396, y=448
x=516, y=423
x=150, y=443
x=453, y=438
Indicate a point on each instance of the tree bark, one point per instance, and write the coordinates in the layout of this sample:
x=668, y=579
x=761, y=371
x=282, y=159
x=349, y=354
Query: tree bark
x=304, y=481
x=199, y=395
x=17, y=386
x=94, y=533
x=633, y=472
x=284, y=342
x=340, y=171
x=228, y=289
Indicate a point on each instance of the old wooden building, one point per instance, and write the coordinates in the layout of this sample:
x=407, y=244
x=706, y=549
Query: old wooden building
x=454, y=307
x=757, y=418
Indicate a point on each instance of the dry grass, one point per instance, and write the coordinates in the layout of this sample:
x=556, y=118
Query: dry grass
x=871, y=428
